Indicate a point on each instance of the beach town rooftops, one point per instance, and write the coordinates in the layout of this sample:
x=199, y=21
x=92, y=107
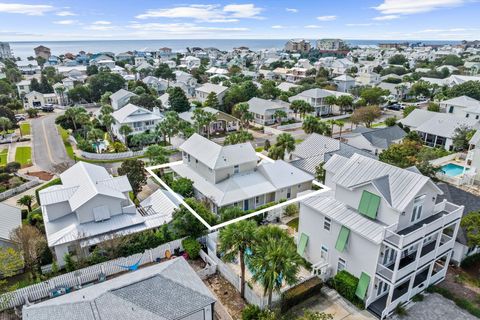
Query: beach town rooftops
x=215, y=156
x=166, y=291
x=380, y=137
x=436, y=123
x=285, y=86
x=210, y=87
x=318, y=93
x=370, y=229
x=344, y=77
x=132, y=113
x=121, y=94
x=397, y=186
x=188, y=115
x=316, y=149
x=260, y=106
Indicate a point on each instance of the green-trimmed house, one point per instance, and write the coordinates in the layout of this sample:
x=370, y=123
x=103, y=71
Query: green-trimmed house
x=383, y=225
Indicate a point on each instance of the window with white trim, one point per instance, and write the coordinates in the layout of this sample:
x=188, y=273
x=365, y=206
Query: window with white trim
x=341, y=265
x=327, y=222
x=417, y=208
x=324, y=253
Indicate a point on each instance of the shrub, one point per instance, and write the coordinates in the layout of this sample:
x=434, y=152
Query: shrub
x=251, y=312
x=192, y=247
x=470, y=261
x=417, y=298
x=400, y=310
x=4, y=177
x=346, y=285
x=390, y=122
x=300, y=293
x=291, y=210
x=70, y=264
x=12, y=167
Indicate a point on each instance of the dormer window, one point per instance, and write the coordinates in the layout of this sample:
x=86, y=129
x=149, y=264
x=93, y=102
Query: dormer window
x=417, y=208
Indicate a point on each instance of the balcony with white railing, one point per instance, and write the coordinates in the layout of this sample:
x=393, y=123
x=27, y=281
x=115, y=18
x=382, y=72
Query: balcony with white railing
x=444, y=213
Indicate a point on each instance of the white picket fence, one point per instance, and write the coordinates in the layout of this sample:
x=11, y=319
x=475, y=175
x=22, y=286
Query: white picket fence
x=32, y=182
x=111, y=156
x=84, y=276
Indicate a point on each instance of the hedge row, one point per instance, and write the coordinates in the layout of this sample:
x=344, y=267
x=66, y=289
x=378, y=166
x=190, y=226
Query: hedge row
x=346, y=284
x=300, y=293
x=470, y=261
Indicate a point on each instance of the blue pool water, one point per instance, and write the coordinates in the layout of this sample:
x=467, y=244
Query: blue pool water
x=453, y=170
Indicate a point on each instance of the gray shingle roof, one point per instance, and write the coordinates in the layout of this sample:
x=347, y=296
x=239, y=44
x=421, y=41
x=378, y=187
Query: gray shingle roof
x=170, y=290
x=384, y=137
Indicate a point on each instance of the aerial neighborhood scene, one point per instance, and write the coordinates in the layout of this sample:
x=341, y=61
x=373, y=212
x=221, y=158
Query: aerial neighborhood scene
x=260, y=160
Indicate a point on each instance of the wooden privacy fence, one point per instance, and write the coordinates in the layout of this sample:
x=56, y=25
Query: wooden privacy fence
x=84, y=276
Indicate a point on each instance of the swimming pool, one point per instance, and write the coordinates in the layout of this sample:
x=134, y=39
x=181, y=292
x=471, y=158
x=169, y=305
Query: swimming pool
x=453, y=169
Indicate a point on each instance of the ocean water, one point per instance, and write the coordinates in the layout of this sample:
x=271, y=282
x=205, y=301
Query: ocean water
x=25, y=49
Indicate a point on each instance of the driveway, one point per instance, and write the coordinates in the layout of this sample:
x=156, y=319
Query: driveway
x=434, y=306
x=48, y=148
x=330, y=302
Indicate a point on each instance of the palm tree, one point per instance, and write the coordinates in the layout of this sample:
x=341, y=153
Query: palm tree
x=274, y=260
x=285, y=143
x=310, y=124
x=156, y=154
x=125, y=130
x=241, y=111
x=340, y=124
x=279, y=115
x=235, y=239
x=107, y=121
x=331, y=123
x=26, y=201
x=330, y=101
x=78, y=115
x=95, y=135
x=5, y=124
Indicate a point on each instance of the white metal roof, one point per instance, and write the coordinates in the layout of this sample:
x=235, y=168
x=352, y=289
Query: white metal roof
x=210, y=87
x=260, y=106
x=346, y=216
x=215, y=156
x=397, y=186
x=132, y=113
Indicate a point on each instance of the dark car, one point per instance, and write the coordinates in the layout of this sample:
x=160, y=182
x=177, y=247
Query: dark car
x=395, y=107
x=47, y=108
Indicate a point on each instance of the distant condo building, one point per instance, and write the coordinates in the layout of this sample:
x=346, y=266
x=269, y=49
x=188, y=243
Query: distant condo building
x=5, y=51
x=331, y=45
x=298, y=46
x=43, y=52
x=393, y=45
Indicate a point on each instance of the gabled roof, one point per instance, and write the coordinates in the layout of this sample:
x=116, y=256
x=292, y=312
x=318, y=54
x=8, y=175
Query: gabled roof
x=215, y=156
x=260, y=106
x=210, y=87
x=121, y=94
x=132, y=113
x=462, y=101
x=166, y=291
x=384, y=137
x=82, y=182
x=398, y=186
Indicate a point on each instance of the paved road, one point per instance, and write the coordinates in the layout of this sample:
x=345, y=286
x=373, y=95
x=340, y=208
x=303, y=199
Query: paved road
x=48, y=148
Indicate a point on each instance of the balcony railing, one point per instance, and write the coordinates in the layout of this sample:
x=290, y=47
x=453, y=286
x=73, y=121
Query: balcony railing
x=444, y=213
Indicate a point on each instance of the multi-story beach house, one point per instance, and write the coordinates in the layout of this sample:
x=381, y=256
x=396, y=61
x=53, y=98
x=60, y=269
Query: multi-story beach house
x=232, y=175
x=137, y=118
x=381, y=224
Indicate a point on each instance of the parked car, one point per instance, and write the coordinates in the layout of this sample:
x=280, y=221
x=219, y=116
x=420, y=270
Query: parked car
x=20, y=117
x=395, y=107
x=48, y=108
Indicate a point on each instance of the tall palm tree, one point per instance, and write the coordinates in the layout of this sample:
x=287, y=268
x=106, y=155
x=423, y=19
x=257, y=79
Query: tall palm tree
x=279, y=115
x=331, y=123
x=241, y=111
x=330, y=101
x=78, y=115
x=5, y=124
x=95, y=135
x=26, y=201
x=107, y=121
x=235, y=239
x=340, y=124
x=125, y=130
x=274, y=260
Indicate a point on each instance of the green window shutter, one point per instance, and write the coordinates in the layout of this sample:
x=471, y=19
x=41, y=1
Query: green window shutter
x=342, y=239
x=369, y=204
x=362, y=285
x=302, y=244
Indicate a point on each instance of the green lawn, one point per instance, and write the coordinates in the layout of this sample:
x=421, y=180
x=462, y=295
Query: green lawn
x=25, y=129
x=293, y=224
x=23, y=155
x=3, y=157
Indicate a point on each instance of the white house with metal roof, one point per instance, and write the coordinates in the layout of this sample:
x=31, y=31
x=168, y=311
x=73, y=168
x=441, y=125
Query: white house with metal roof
x=169, y=290
x=120, y=98
x=91, y=206
x=202, y=92
x=316, y=98
x=233, y=176
x=463, y=106
x=264, y=110
x=437, y=129
x=137, y=118
x=381, y=224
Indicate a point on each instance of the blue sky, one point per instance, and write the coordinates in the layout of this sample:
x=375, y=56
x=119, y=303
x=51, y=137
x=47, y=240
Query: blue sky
x=261, y=19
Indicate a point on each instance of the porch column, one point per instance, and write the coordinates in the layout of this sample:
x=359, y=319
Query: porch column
x=397, y=264
x=390, y=295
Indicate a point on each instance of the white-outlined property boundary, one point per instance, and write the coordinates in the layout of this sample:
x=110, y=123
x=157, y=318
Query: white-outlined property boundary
x=150, y=170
